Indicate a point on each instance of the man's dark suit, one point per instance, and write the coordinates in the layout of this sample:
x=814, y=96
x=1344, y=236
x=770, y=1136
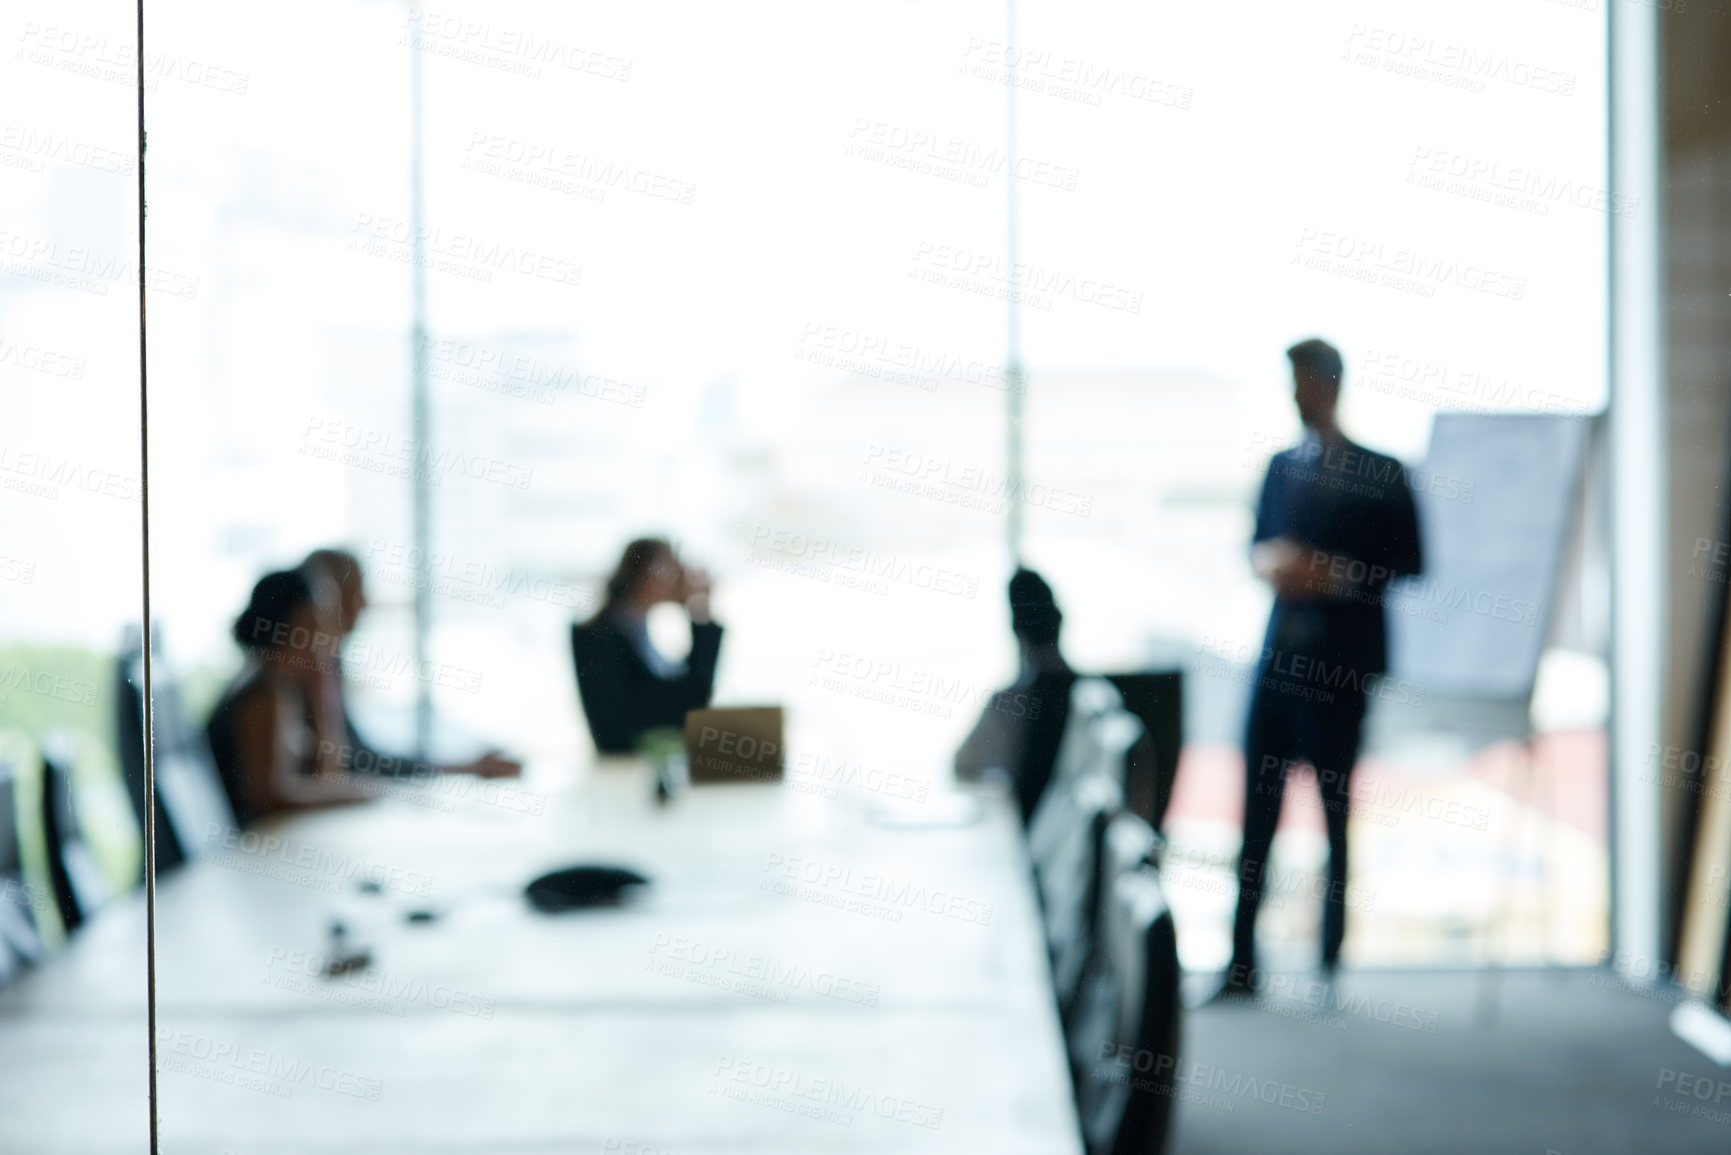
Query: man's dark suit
x=623, y=697
x=1309, y=697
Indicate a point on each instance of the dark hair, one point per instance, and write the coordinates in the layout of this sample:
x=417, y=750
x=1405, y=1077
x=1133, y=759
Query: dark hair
x=274, y=600
x=1034, y=612
x=1319, y=357
x=633, y=564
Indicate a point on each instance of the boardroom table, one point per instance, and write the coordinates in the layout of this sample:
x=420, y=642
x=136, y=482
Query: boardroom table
x=810, y=969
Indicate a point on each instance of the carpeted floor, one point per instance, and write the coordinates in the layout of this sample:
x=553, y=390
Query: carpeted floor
x=1529, y=1062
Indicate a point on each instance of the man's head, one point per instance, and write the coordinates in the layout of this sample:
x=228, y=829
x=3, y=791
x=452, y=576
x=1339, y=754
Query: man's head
x=339, y=572
x=1034, y=614
x=1316, y=370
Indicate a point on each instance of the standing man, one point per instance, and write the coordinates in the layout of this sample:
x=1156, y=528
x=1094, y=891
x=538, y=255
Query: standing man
x=1334, y=525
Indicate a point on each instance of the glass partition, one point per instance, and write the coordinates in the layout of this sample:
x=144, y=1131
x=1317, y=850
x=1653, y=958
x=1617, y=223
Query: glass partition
x=74, y=1063
x=446, y=307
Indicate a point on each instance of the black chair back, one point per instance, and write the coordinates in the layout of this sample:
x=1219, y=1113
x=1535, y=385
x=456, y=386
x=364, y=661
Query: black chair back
x=79, y=888
x=1158, y=700
x=1125, y=1033
x=1065, y=829
x=190, y=800
x=20, y=942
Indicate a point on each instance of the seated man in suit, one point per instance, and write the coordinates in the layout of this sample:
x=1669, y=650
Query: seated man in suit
x=1020, y=729
x=627, y=686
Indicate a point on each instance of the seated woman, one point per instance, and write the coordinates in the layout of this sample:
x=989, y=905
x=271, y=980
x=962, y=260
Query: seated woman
x=627, y=687
x=274, y=733
x=1020, y=729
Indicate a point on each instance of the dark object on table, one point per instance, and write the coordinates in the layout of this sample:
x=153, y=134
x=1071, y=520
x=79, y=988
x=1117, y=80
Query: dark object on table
x=421, y=915
x=581, y=886
x=345, y=954
x=734, y=744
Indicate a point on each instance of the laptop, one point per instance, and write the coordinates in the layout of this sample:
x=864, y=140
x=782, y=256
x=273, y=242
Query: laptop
x=734, y=744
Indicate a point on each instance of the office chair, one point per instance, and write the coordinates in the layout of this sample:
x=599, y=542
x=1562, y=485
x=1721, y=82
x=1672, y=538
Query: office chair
x=20, y=942
x=190, y=800
x=1086, y=786
x=1124, y=1037
x=1157, y=699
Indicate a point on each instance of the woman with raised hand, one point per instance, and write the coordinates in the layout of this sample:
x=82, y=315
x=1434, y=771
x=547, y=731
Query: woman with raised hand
x=627, y=686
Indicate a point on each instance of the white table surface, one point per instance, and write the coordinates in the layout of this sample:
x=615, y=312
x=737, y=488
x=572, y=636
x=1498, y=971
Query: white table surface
x=834, y=963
